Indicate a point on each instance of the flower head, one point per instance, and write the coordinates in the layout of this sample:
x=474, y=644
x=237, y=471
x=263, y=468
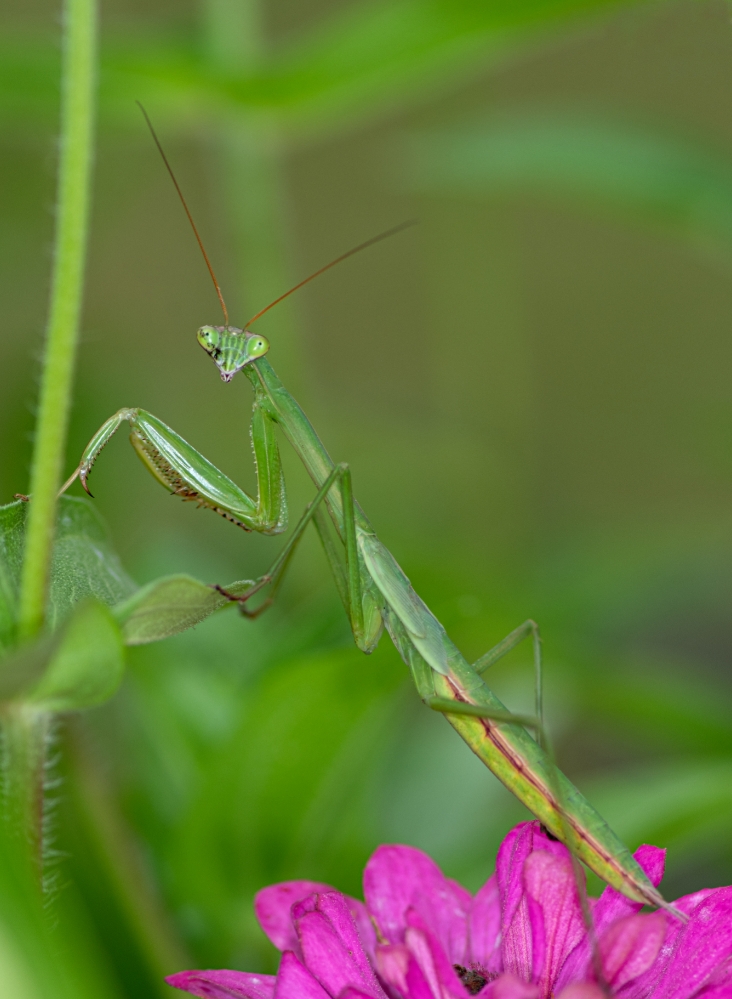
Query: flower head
x=420, y=935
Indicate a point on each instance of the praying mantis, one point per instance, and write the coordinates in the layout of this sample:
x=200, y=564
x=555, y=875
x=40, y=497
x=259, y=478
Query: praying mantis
x=375, y=591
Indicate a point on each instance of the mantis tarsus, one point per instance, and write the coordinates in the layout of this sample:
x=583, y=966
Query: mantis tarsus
x=374, y=589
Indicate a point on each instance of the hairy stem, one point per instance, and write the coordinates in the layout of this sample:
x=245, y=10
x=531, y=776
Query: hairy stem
x=77, y=105
x=25, y=734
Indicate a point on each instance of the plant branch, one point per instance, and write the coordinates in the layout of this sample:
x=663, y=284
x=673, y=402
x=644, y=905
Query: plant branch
x=77, y=107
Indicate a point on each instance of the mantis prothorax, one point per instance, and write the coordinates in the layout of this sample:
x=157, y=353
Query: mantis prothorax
x=375, y=591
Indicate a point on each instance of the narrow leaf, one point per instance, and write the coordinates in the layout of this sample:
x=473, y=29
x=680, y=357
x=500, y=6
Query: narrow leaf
x=170, y=605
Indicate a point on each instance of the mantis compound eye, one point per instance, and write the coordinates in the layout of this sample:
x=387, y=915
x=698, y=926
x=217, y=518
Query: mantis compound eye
x=208, y=337
x=257, y=346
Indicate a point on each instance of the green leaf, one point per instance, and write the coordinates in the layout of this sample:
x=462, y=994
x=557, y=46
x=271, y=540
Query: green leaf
x=170, y=605
x=88, y=665
x=283, y=795
x=26, y=665
x=355, y=59
x=84, y=564
x=651, y=176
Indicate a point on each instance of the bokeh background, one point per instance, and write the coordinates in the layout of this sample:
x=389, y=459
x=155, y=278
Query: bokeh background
x=532, y=388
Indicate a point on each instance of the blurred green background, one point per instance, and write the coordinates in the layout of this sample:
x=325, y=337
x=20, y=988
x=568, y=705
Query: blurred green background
x=532, y=389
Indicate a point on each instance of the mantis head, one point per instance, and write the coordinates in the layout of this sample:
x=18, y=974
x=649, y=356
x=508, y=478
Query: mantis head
x=231, y=348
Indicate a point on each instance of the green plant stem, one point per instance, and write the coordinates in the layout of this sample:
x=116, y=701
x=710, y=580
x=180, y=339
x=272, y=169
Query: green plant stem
x=25, y=733
x=77, y=105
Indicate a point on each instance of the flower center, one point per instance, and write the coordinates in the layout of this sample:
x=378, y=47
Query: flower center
x=474, y=978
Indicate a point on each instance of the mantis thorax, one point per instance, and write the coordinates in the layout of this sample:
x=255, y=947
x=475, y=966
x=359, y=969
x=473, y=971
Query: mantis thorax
x=231, y=348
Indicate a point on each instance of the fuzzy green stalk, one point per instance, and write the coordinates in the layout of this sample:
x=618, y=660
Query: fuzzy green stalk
x=25, y=730
x=77, y=107
x=25, y=737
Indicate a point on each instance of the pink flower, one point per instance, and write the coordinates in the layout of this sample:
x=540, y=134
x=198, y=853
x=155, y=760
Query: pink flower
x=420, y=935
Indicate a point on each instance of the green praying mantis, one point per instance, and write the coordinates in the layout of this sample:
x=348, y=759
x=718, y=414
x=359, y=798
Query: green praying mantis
x=374, y=590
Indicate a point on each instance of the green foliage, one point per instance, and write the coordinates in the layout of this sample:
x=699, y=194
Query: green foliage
x=588, y=160
x=350, y=63
x=170, y=605
x=241, y=752
x=86, y=668
x=38, y=959
x=283, y=794
x=83, y=565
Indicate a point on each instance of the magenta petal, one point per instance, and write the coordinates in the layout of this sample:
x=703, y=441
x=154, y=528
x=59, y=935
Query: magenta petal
x=392, y=964
x=331, y=945
x=507, y=986
x=400, y=970
x=653, y=861
x=512, y=854
x=517, y=944
x=427, y=949
x=364, y=925
x=295, y=981
x=398, y=878
x=646, y=984
x=611, y=906
x=437, y=970
x=523, y=944
x=550, y=882
x=701, y=947
x=538, y=940
x=461, y=895
x=716, y=992
x=582, y=990
x=484, y=926
x=351, y=993
x=516, y=932
x=630, y=947
x=224, y=984
x=273, y=906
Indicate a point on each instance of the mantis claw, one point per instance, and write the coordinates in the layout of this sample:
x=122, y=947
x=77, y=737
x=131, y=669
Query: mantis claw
x=83, y=474
x=225, y=593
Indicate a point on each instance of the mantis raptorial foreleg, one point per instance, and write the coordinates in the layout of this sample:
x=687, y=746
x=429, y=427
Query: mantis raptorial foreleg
x=185, y=472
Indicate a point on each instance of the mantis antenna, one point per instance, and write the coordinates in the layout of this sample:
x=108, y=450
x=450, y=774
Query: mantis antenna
x=343, y=256
x=190, y=217
x=362, y=246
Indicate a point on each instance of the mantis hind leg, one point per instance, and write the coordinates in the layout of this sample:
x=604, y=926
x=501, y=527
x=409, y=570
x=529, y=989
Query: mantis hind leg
x=528, y=628
x=446, y=706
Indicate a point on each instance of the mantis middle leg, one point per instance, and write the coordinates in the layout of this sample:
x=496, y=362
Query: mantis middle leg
x=492, y=656
x=352, y=581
